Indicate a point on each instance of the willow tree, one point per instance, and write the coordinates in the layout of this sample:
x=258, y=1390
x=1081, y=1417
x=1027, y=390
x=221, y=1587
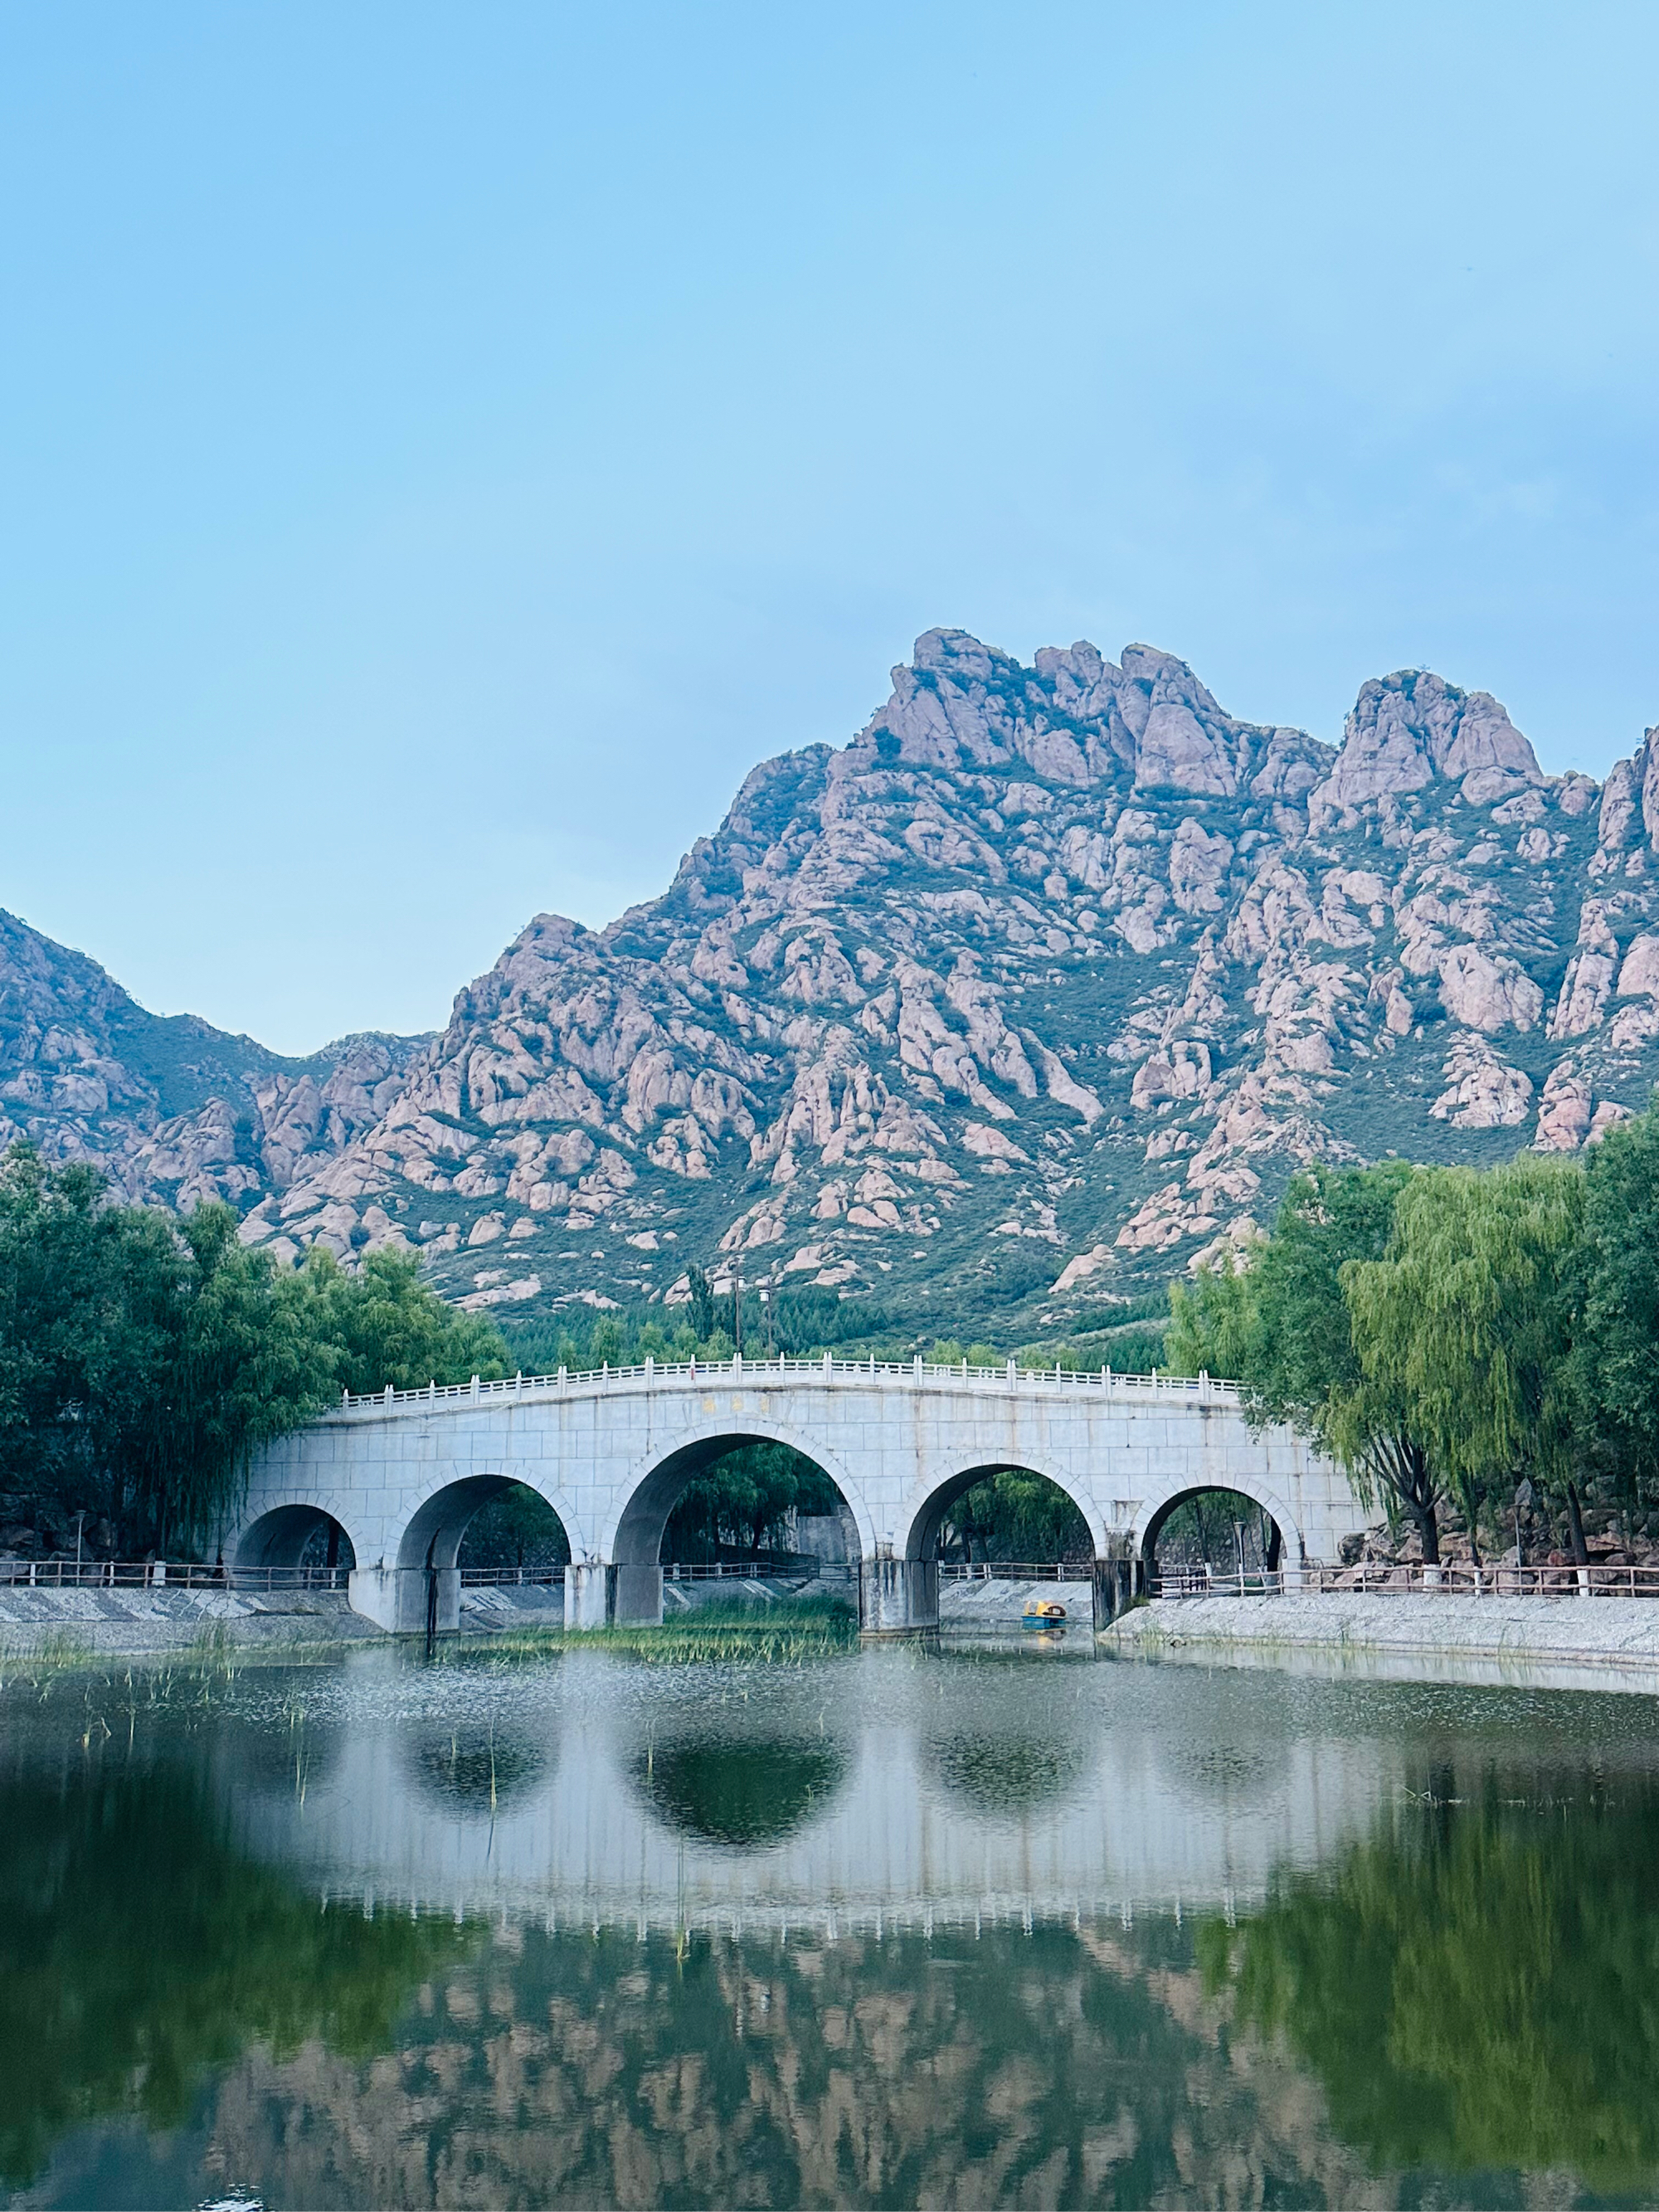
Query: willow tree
x=381, y=1323
x=1466, y=1319
x=1288, y=1323
x=1215, y=1320
x=1616, y=1352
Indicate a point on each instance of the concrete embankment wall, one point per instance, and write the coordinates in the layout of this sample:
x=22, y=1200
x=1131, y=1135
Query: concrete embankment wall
x=999, y=1605
x=1583, y=1643
x=137, y=1620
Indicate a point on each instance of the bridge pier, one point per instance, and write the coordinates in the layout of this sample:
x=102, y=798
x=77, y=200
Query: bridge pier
x=587, y=1593
x=898, y=1597
x=636, y=1596
x=1115, y=1580
x=400, y=1600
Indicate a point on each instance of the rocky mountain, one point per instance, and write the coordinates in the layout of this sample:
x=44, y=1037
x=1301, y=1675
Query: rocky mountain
x=1025, y=998
x=167, y=1106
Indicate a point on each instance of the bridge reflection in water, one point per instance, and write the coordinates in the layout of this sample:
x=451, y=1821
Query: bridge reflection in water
x=898, y=1786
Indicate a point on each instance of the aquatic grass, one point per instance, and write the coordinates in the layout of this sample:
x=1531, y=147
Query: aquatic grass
x=785, y=1631
x=775, y=1631
x=60, y=1651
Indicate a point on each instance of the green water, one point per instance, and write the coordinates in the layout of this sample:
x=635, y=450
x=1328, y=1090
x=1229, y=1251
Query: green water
x=892, y=1929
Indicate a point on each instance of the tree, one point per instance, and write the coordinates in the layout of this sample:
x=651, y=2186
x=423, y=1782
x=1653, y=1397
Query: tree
x=1615, y=1358
x=143, y=1357
x=1467, y=1321
x=383, y=1324
x=1016, y=1515
x=1214, y=1322
x=1293, y=1331
x=743, y=1499
x=236, y=1363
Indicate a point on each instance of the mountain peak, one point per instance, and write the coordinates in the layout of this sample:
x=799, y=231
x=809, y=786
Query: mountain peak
x=1039, y=986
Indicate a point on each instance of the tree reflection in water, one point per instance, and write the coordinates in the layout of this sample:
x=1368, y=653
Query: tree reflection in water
x=745, y=1794
x=475, y=1767
x=139, y=1947
x=1008, y=1775
x=1477, y=1985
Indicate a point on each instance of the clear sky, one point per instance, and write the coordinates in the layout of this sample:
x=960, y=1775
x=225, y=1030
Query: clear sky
x=443, y=447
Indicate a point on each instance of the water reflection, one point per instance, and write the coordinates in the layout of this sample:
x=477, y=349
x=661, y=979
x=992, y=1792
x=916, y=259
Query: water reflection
x=887, y=1931
x=140, y=1946
x=474, y=1770
x=738, y=1794
x=1008, y=1775
x=1477, y=1983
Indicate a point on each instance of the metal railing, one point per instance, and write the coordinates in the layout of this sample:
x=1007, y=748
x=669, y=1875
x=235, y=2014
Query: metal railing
x=1199, y=1389
x=165, y=1574
x=787, y=1566
x=1453, y=1578
x=1016, y=1570
x=516, y=1578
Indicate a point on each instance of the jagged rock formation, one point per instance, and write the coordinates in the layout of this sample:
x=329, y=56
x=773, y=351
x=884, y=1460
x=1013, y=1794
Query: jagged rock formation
x=1040, y=987
x=167, y=1106
x=1035, y=991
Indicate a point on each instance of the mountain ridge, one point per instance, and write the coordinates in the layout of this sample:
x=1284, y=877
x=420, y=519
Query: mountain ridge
x=1038, y=989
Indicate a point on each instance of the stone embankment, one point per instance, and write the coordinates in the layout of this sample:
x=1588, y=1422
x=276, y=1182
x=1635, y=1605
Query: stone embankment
x=136, y=1620
x=1599, y=1643
x=1001, y=1604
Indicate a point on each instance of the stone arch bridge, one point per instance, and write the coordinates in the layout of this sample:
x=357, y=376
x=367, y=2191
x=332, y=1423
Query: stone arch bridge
x=404, y=1473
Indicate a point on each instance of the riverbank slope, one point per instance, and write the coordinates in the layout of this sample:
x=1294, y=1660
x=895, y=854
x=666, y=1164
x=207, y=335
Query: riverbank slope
x=1580, y=1642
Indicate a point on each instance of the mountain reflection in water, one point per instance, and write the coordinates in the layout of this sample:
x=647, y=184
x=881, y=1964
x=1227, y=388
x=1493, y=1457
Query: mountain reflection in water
x=228, y=1958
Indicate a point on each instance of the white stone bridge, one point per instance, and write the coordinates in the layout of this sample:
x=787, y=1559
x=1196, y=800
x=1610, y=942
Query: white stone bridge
x=404, y=1473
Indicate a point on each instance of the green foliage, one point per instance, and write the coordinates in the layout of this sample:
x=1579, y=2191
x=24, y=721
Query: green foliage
x=519, y=1528
x=383, y=1325
x=1467, y=1321
x=1475, y=1986
x=1015, y=1515
x=1615, y=1358
x=1218, y=1528
x=1135, y=1351
x=102, y=2012
x=145, y=1356
x=741, y=1501
x=1213, y=1323
x=1287, y=1329
x=950, y=1351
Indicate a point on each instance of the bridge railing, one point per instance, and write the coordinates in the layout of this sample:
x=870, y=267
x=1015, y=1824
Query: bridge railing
x=1186, y=1389
x=1452, y=1579
x=165, y=1574
x=1015, y=1571
x=513, y=1577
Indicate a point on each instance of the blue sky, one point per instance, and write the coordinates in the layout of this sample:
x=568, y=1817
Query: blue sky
x=442, y=448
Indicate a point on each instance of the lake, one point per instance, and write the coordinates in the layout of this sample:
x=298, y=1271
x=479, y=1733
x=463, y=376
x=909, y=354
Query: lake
x=976, y=1926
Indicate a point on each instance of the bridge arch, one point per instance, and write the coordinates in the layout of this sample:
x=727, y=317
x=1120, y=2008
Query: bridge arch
x=283, y=1535
x=432, y=1535
x=657, y=1479
x=933, y=1497
x=1154, y=1512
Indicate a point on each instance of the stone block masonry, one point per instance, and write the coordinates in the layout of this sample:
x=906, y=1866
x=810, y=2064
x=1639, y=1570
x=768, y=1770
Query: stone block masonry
x=404, y=1473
